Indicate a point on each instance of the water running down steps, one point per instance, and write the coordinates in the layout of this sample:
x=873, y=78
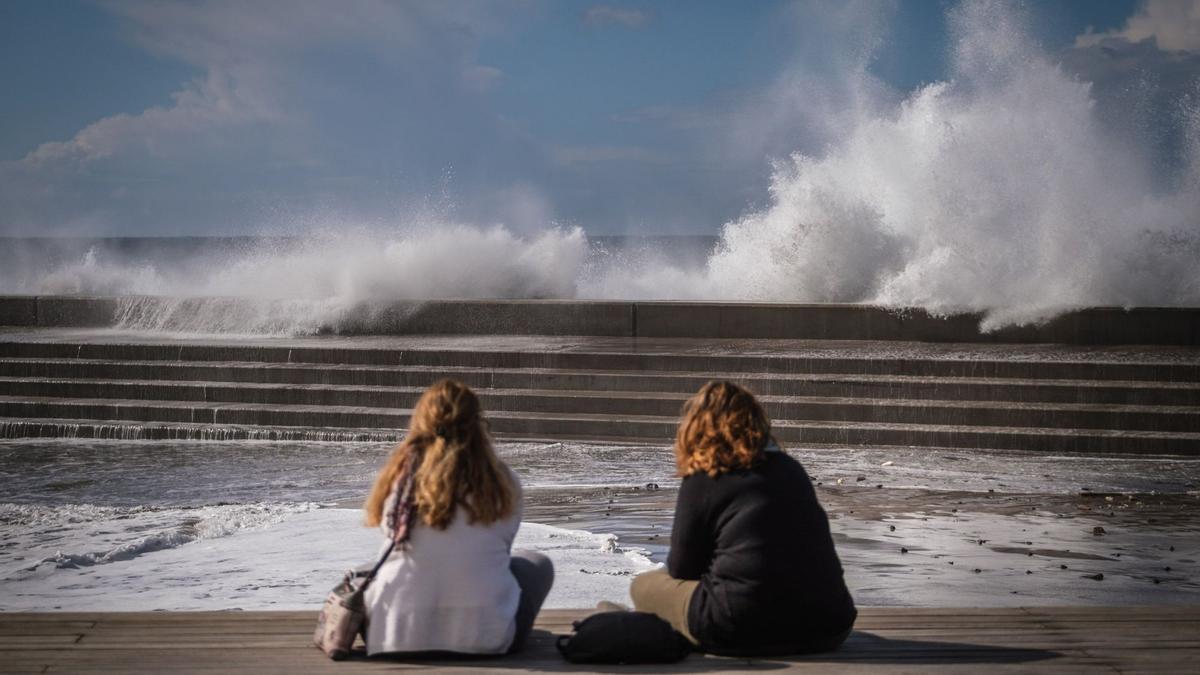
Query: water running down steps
x=1049, y=398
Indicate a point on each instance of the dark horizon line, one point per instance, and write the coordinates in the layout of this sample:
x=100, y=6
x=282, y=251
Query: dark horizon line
x=77, y=237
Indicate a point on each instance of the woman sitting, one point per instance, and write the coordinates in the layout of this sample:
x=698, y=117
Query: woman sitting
x=453, y=509
x=752, y=569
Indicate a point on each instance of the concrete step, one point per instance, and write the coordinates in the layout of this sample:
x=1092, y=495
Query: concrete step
x=266, y=415
x=666, y=404
x=27, y=417
x=837, y=385
x=830, y=359
x=11, y=427
x=1039, y=397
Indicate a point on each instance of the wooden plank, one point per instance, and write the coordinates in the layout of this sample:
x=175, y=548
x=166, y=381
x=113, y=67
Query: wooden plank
x=7, y=627
x=893, y=639
x=859, y=641
x=51, y=641
x=568, y=615
x=217, y=629
x=1109, y=627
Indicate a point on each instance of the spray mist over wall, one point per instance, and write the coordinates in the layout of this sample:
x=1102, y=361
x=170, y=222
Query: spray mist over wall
x=1001, y=190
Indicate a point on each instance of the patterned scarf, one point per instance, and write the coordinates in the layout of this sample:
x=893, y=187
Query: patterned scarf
x=400, y=517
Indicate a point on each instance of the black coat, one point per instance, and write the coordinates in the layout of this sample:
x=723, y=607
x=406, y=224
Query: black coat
x=759, y=543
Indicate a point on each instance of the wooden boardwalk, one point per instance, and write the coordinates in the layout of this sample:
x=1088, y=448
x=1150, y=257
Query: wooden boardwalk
x=893, y=640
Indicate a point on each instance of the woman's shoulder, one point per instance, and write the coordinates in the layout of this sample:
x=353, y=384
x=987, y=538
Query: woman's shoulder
x=775, y=466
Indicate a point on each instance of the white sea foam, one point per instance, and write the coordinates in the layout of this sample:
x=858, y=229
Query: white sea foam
x=282, y=556
x=75, y=536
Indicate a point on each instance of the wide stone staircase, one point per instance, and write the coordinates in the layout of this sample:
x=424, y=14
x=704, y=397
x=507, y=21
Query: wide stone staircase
x=853, y=393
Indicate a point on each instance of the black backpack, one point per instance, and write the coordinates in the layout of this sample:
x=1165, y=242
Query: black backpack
x=623, y=637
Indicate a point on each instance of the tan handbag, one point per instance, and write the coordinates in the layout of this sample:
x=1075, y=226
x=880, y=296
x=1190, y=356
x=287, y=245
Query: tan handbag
x=344, y=615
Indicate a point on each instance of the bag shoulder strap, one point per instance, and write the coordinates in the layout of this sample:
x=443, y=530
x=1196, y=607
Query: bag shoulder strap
x=375, y=570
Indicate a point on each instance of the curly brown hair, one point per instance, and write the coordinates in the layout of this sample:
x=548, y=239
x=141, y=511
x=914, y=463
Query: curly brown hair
x=724, y=428
x=458, y=466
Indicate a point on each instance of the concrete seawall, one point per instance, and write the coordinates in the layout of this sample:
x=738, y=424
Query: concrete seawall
x=1092, y=326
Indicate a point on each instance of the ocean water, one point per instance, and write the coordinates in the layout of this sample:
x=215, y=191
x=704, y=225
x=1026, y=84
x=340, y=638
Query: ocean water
x=132, y=525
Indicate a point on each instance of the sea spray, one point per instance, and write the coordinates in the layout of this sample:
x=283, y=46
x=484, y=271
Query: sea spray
x=435, y=262
x=1004, y=189
x=92, y=275
x=999, y=190
x=232, y=316
x=318, y=284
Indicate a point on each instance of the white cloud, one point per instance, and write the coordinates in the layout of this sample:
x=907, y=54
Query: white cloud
x=609, y=15
x=1173, y=24
x=285, y=93
x=213, y=102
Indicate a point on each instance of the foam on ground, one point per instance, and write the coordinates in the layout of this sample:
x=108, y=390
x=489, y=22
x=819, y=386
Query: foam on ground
x=287, y=561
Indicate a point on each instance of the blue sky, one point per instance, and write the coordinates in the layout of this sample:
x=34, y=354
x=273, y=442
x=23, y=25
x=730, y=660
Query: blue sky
x=220, y=116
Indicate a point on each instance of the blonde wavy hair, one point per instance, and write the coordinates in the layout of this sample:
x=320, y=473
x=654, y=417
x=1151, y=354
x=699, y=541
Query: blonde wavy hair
x=724, y=428
x=457, y=468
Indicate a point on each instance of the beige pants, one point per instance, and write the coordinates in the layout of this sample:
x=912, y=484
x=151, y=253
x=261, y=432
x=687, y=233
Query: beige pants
x=659, y=593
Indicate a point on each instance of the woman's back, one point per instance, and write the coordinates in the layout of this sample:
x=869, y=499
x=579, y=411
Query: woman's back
x=752, y=568
x=759, y=542
x=451, y=508
x=449, y=590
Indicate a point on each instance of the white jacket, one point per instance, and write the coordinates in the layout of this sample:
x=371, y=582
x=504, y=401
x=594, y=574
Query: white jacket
x=450, y=590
